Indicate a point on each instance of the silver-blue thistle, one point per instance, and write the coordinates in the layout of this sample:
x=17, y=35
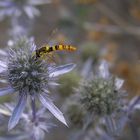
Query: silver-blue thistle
x=30, y=77
x=21, y=14
x=27, y=128
x=100, y=97
x=16, y=8
x=24, y=72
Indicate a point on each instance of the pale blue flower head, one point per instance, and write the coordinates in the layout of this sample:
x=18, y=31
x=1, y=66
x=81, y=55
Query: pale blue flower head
x=20, y=14
x=27, y=128
x=10, y=8
x=101, y=94
x=29, y=78
x=102, y=97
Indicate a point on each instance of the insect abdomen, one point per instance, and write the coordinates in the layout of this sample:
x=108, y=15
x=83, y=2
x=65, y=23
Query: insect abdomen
x=47, y=49
x=64, y=47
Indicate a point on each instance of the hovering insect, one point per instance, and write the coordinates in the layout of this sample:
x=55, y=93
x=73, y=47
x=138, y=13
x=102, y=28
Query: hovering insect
x=46, y=49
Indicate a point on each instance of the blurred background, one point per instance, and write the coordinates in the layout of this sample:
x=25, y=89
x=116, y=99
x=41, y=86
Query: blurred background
x=100, y=29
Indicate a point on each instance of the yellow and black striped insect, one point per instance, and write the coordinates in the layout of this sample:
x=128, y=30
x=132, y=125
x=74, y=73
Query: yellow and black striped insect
x=46, y=49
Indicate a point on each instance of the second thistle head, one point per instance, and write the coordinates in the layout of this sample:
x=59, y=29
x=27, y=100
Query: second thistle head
x=101, y=95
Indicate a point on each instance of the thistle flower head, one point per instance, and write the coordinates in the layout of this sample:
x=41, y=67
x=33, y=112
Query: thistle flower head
x=25, y=74
x=30, y=78
x=27, y=128
x=101, y=95
x=16, y=8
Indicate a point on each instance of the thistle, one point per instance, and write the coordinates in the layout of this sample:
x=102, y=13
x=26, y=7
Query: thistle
x=29, y=78
x=10, y=8
x=21, y=14
x=101, y=97
x=27, y=128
